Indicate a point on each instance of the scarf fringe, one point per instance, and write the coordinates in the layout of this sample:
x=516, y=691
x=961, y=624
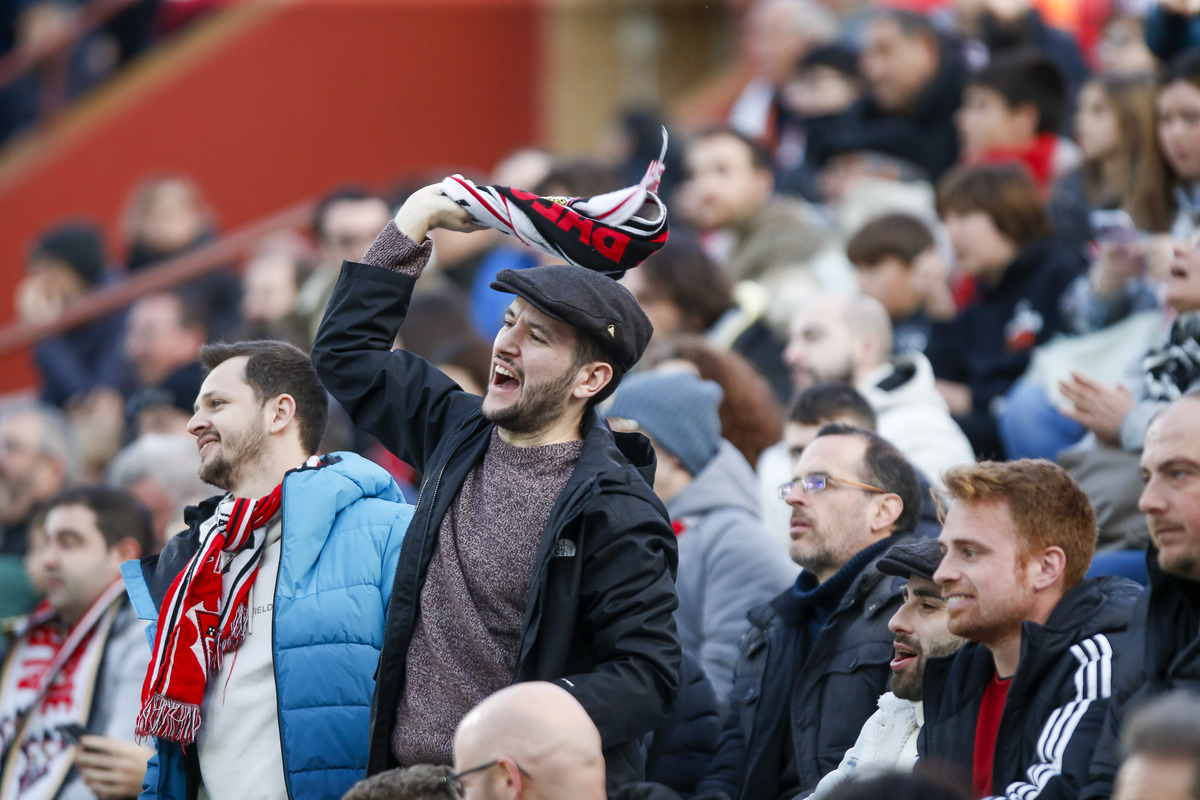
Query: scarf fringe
x=168, y=719
x=239, y=626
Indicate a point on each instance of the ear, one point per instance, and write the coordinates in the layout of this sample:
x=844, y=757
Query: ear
x=1046, y=569
x=765, y=182
x=1027, y=118
x=591, y=379
x=509, y=782
x=866, y=352
x=888, y=508
x=280, y=412
x=127, y=549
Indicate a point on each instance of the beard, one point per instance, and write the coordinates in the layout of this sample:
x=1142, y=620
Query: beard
x=237, y=450
x=909, y=684
x=16, y=497
x=804, y=377
x=539, y=407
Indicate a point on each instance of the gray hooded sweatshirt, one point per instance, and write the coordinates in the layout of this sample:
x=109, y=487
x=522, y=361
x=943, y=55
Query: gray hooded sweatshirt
x=728, y=564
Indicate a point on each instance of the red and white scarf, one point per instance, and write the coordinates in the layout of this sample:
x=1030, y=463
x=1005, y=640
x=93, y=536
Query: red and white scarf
x=204, y=615
x=602, y=233
x=49, y=679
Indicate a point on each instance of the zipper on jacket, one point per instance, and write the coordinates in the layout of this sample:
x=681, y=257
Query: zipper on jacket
x=539, y=580
x=287, y=776
x=412, y=618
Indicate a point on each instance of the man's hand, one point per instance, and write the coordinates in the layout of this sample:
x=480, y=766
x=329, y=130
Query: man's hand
x=1097, y=407
x=428, y=208
x=112, y=768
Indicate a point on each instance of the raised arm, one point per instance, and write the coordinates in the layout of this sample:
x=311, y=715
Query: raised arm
x=399, y=398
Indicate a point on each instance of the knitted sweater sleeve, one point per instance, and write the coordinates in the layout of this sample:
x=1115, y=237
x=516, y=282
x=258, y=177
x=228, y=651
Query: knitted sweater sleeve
x=394, y=251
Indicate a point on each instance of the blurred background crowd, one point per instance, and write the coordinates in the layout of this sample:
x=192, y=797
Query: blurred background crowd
x=976, y=214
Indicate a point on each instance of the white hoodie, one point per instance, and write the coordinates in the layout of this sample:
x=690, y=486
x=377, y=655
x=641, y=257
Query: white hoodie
x=912, y=415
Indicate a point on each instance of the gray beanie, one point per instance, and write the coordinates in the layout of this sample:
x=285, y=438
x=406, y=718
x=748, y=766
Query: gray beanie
x=678, y=410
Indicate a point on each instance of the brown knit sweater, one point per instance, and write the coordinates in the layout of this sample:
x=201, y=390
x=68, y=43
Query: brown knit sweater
x=468, y=631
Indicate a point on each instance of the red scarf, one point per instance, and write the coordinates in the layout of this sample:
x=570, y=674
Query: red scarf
x=205, y=612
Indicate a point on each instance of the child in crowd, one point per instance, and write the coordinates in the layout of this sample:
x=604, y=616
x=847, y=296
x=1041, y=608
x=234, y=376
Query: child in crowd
x=898, y=264
x=1012, y=110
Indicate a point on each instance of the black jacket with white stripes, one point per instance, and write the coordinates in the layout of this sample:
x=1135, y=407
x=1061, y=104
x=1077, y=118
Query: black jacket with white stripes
x=1056, y=702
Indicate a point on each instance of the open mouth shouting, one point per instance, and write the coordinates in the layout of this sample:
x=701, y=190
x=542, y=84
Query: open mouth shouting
x=905, y=655
x=504, y=378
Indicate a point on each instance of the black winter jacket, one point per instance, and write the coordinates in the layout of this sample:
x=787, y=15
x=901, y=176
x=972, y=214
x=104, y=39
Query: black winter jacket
x=682, y=748
x=1056, y=702
x=1163, y=653
x=927, y=137
x=989, y=344
x=846, y=672
x=598, y=619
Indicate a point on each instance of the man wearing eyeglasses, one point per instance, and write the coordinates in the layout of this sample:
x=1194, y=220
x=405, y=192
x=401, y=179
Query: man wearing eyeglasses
x=817, y=657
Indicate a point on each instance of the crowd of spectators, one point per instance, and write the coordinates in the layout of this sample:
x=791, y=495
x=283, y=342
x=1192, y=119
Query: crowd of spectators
x=921, y=395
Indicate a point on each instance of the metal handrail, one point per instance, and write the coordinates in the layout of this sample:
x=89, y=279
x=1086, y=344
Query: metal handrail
x=164, y=276
x=23, y=59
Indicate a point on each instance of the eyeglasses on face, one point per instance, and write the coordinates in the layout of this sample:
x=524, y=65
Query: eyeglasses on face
x=819, y=482
x=454, y=782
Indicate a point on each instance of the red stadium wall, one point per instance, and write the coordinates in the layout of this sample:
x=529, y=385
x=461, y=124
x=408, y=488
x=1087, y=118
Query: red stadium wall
x=268, y=103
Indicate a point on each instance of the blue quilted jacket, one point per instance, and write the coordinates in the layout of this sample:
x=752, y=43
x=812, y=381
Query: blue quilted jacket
x=343, y=523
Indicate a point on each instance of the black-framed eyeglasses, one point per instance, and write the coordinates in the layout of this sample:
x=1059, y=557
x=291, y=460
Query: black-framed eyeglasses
x=454, y=782
x=819, y=482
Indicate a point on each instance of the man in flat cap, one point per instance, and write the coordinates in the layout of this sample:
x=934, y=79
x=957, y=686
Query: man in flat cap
x=538, y=550
x=888, y=740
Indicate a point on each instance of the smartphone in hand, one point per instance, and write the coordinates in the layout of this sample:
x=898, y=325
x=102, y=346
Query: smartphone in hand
x=71, y=732
x=1113, y=227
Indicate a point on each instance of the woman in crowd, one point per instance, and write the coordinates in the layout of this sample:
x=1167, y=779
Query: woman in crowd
x=167, y=216
x=1123, y=166
x=683, y=291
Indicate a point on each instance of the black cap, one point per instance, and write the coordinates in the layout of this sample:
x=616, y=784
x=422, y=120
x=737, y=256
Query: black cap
x=920, y=558
x=78, y=245
x=589, y=302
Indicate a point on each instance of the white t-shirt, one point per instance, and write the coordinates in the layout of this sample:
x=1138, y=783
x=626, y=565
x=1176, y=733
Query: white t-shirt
x=241, y=757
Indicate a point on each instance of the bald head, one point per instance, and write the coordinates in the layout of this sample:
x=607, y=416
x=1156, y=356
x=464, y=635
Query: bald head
x=837, y=338
x=546, y=734
x=868, y=318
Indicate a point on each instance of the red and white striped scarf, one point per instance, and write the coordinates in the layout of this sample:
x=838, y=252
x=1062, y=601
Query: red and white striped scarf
x=204, y=616
x=603, y=233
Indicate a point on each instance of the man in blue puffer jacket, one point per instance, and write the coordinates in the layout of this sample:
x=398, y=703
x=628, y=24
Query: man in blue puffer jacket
x=265, y=644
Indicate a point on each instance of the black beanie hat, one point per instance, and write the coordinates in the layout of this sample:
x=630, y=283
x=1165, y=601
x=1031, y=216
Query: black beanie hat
x=78, y=245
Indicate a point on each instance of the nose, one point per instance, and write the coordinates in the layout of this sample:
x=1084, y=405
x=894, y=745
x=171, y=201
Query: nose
x=945, y=573
x=796, y=496
x=793, y=353
x=198, y=424
x=48, y=556
x=1151, y=500
x=505, y=341
x=899, y=621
